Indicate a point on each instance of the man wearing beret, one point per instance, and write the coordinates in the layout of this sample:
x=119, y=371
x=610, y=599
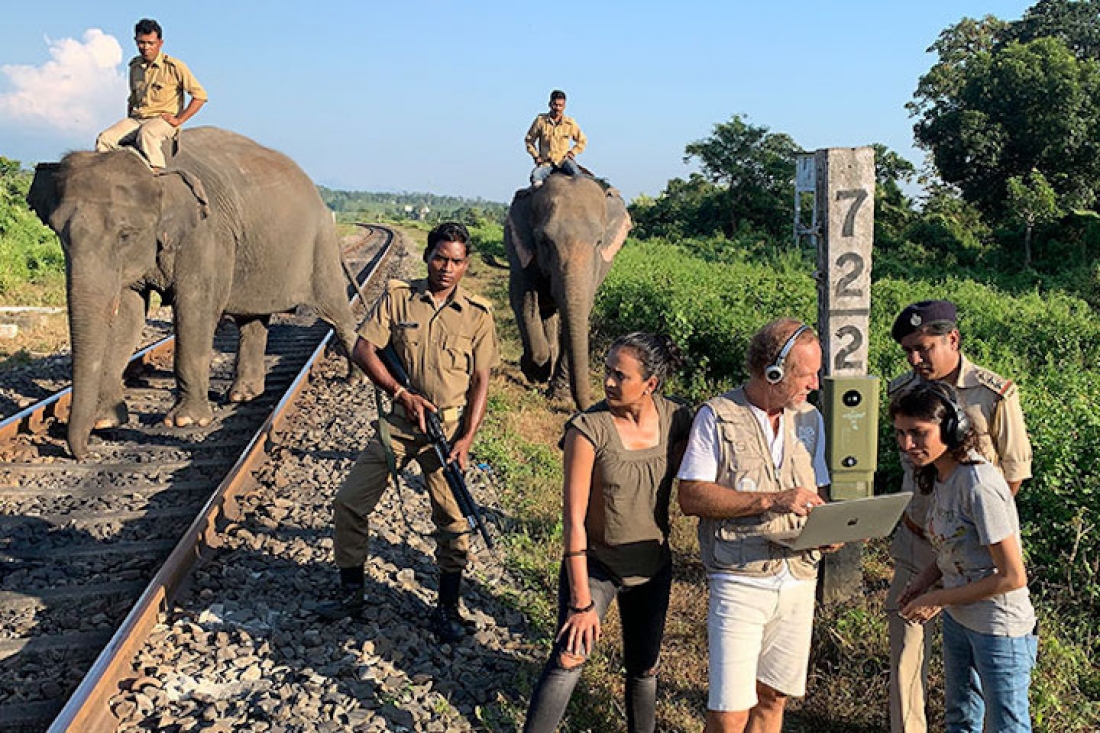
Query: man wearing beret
x=928, y=334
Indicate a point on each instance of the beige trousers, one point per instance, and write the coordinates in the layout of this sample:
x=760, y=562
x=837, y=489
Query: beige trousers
x=369, y=477
x=148, y=136
x=910, y=643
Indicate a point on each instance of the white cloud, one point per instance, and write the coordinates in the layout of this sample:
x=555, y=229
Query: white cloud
x=81, y=89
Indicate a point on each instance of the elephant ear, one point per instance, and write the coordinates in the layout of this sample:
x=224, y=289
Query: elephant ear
x=518, y=235
x=43, y=196
x=618, y=225
x=183, y=205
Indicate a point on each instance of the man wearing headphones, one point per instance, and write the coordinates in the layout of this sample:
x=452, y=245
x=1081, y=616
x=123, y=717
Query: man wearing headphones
x=754, y=466
x=928, y=334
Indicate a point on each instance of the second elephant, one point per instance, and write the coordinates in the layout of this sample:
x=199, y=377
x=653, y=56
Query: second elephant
x=561, y=239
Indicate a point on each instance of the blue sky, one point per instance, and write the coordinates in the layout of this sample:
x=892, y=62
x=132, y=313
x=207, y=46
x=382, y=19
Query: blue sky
x=436, y=96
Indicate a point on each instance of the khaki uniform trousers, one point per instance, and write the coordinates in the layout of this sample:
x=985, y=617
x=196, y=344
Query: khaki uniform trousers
x=910, y=643
x=149, y=135
x=368, y=480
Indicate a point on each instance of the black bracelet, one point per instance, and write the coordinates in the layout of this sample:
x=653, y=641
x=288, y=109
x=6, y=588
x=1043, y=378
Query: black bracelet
x=585, y=609
x=574, y=553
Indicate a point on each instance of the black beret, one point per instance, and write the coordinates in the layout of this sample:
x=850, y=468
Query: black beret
x=921, y=314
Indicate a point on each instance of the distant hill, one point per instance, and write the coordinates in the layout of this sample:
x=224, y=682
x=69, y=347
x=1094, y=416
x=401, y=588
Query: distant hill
x=350, y=205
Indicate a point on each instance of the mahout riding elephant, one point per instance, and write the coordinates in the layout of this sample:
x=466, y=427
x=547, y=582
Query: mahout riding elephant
x=231, y=227
x=561, y=239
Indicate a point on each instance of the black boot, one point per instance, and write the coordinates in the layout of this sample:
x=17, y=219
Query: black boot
x=446, y=620
x=349, y=603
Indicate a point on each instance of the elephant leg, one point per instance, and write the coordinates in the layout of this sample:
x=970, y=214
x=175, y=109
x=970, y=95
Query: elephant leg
x=196, y=318
x=559, y=377
x=249, y=383
x=125, y=332
x=535, y=362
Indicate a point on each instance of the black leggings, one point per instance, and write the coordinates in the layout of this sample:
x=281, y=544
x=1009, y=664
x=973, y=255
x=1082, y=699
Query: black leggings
x=642, y=609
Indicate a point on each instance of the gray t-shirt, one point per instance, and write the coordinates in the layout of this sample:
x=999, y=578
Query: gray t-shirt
x=970, y=511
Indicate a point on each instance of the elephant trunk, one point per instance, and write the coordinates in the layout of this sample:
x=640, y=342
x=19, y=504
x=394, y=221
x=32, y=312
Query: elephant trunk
x=93, y=296
x=579, y=292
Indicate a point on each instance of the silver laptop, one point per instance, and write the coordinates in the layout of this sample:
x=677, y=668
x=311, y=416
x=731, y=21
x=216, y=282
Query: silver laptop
x=846, y=521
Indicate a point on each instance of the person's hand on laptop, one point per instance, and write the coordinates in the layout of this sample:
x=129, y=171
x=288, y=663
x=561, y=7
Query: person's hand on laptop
x=797, y=501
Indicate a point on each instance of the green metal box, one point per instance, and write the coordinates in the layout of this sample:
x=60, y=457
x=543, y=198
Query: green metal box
x=850, y=407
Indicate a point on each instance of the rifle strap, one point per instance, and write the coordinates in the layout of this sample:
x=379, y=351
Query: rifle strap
x=391, y=463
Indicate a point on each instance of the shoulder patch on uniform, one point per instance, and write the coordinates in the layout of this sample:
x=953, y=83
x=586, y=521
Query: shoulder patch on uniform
x=480, y=302
x=900, y=383
x=993, y=381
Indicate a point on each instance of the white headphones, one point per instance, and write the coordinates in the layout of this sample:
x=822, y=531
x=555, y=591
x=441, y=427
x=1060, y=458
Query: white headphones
x=774, y=372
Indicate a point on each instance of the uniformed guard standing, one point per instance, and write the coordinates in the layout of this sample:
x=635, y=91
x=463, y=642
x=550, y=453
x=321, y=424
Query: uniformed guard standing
x=446, y=339
x=928, y=333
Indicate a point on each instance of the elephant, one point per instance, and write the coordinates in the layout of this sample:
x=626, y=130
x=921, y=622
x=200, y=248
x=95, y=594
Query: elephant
x=231, y=227
x=561, y=239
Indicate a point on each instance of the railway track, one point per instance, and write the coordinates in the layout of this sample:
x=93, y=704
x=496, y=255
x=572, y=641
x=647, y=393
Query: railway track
x=81, y=542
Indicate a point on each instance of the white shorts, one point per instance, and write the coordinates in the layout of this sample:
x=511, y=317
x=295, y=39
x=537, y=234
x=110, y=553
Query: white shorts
x=757, y=634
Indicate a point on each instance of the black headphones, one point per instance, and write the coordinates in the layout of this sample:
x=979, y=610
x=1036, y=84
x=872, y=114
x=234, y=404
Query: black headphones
x=774, y=373
x=955, y=424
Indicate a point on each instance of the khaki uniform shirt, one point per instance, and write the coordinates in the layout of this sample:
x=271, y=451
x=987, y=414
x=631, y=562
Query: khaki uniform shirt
x=158, y=87
x=553, y=138
x=992, y=404
x=439, y=347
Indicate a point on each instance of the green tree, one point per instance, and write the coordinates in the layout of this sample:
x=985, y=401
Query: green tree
x=756, y=169
x=686, y=208
x=990, y=111
x=1033, y=202
x=1073, y=22
x=893, y=209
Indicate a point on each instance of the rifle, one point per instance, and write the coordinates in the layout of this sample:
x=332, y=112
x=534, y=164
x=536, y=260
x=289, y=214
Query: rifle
x=435, y=435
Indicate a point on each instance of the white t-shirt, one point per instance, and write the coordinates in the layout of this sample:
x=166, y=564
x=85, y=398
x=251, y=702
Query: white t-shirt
x=703, y=454
x=970, y=511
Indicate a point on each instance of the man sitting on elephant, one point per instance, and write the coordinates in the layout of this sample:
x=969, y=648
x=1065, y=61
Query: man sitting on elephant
x=446, y=339
x=552, y=132
x=154, y=111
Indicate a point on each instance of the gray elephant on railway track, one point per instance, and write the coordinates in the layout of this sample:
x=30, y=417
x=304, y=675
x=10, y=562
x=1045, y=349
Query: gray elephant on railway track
x=561, y=239
x=231, y=227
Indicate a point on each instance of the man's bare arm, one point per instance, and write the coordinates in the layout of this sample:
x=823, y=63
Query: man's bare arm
x=709, y=500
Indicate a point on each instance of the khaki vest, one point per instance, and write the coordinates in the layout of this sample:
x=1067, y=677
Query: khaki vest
x=738, y=546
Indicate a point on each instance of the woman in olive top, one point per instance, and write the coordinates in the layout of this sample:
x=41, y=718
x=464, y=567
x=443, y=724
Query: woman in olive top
x=621, y=455
x=989, y=640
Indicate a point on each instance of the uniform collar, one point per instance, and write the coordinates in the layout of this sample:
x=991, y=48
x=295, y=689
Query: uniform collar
x=562, y=121
x=158, y=61
x=457, y=299
x=968, y=373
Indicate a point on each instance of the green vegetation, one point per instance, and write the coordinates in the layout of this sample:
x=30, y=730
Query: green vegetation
x=29, y=252
x=364, y=206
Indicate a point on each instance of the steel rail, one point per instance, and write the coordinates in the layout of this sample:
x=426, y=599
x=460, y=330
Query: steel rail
x=88, y=708
x=32, y=419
